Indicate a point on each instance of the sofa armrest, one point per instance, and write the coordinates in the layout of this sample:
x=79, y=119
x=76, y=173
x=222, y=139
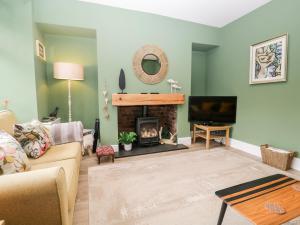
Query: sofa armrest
x=34, y=197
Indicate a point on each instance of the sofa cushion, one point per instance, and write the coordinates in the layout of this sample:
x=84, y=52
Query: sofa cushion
x=12, y=157
x=60, y=152
x=71, y=168
x=33, y=137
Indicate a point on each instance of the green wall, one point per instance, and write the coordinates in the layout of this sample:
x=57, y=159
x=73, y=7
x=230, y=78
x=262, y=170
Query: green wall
x=267, y=113
x=42, y=90
x=198, y=81
x=17, y=76
x=120, y=33
x=81, y=50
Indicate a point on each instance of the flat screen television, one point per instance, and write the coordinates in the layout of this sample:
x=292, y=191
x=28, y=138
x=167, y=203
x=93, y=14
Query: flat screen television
x=212, y=109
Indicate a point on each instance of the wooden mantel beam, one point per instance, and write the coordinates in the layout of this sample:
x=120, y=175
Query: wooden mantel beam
x=147, y=99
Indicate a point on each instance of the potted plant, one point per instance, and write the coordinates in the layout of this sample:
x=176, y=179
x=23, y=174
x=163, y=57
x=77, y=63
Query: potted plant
x=126, y=138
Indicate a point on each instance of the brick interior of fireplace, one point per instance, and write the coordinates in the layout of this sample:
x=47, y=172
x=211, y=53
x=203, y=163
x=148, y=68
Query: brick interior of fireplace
x=127, y=115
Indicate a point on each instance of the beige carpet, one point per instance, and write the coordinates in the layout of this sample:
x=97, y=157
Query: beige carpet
x=169, y=189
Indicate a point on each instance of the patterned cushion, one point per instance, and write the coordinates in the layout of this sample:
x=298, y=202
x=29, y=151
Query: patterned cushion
x=34, y=138
x=12, y=157
x=105, y=150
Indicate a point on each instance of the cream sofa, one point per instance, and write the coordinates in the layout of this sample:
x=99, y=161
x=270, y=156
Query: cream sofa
x=46, y=194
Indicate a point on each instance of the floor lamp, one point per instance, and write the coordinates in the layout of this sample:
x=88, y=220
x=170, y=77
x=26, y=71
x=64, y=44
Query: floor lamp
x=68, y=71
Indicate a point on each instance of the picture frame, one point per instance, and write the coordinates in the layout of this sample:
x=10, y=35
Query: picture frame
x=40, y=50
x=268, y=61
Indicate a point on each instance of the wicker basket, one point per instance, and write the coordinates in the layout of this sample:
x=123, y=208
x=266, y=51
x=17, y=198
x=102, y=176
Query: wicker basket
x=281, y=159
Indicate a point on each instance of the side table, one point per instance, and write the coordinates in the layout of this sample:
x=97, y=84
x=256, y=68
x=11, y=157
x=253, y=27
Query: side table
x=205, y=133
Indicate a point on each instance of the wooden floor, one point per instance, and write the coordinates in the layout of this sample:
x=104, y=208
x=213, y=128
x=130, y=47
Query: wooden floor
x=81, y=213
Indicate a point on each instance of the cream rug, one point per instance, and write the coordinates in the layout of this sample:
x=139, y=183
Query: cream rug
x=170, y=189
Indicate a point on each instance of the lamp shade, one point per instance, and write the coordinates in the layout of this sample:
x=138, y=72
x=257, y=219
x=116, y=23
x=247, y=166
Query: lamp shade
x=68, y=71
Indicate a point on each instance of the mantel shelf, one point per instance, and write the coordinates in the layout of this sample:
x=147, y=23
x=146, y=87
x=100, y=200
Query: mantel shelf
x=147, y=99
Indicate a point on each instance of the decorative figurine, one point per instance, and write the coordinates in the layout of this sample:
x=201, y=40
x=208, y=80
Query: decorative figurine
x=106, y=100
x=54, y=113
x=174, y=85
x=170, y=141
x=122, y=81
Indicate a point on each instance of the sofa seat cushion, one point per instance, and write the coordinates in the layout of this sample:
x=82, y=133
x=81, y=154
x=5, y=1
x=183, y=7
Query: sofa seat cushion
x=60, y=152
x=71, y=168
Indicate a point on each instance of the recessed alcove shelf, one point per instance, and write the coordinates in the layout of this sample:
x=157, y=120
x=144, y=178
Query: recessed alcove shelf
x=147, y=99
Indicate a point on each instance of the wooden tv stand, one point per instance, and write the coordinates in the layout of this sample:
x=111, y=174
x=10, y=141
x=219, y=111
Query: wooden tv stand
x=205, y=133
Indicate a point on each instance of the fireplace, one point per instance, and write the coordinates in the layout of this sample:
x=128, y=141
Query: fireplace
x=135, y=118
x=147, y=129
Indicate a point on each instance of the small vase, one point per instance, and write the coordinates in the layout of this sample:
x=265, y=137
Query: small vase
x=128, y=147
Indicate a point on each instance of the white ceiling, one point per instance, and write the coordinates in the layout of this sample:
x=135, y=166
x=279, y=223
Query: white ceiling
x=215, y=13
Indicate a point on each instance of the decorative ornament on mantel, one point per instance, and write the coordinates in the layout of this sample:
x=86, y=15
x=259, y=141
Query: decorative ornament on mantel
x=122, y=81
x=106, y=100
x=174, y=85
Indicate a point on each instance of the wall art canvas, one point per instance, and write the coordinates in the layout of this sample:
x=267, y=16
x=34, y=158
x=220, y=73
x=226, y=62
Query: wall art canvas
x=268, y=61
x=40, y=50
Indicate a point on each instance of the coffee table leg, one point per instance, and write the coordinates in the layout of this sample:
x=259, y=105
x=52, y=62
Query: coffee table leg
x=222, y=213
x=99, y=159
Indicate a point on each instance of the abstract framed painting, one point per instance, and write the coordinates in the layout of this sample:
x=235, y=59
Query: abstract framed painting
x=268, y=61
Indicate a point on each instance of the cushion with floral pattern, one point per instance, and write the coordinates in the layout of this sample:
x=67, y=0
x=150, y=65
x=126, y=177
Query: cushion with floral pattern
x=34, y=138
x=12, y=157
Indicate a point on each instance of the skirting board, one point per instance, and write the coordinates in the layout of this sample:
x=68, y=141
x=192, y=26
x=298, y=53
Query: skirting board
x=184, y=140
x=255, y=150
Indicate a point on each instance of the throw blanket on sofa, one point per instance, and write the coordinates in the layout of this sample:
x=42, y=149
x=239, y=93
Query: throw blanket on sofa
x=67, y=132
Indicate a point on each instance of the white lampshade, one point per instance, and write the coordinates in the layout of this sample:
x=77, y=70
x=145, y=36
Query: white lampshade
x=68, y=71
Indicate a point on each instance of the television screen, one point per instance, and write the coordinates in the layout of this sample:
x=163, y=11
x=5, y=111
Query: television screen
x=212, y=109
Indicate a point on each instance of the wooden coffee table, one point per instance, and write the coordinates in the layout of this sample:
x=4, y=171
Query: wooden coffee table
x=250, y=199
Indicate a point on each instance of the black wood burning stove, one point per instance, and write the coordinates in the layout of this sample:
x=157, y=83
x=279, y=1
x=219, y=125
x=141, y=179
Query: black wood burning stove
x=147, y=129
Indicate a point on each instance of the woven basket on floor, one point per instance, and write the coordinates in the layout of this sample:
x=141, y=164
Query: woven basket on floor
x=279, y=159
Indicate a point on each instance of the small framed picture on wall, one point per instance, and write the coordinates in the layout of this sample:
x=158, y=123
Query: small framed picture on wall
x=40, y=50
x=268, y=61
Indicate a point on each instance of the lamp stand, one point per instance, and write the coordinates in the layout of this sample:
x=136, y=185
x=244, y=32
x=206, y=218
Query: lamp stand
x=69, y=101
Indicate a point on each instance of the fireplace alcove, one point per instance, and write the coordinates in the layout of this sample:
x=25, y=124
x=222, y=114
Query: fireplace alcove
x=165, y=115
x=152, y=111
x=130, y=117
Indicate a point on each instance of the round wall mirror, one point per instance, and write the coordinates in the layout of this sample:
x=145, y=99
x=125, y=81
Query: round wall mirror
x=150, y=64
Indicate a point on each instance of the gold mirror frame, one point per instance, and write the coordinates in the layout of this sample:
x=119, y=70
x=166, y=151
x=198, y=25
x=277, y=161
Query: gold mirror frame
x=137, y=64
